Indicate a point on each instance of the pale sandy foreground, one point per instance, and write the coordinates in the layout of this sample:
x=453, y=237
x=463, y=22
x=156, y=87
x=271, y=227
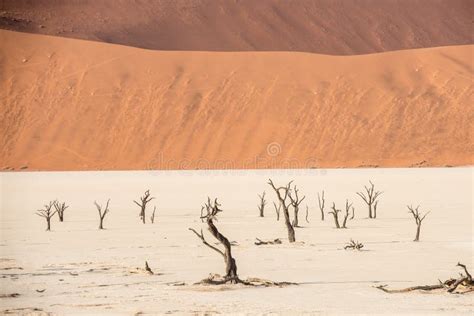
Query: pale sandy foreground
x=84, y=270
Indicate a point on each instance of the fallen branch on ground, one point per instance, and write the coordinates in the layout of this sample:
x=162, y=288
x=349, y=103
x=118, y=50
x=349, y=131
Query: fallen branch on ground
x=461, y=285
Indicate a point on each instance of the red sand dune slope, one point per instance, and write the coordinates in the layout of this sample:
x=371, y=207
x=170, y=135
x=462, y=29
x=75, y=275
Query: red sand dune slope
x=78, y=105
x=336, y=27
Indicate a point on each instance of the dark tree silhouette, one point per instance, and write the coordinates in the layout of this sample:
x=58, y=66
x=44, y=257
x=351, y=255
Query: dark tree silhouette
x=152, y=217
x=102, y=212
x=47, y=214
x=212, y=209
x=418, y=219
x=282, y=194
x=277, y=210
x=321, y=202
x=60, y=208
x=295, y=202
x=334, y=213
x=261, y=206
x=346, y=215
x=144, y=200
x=370, y=197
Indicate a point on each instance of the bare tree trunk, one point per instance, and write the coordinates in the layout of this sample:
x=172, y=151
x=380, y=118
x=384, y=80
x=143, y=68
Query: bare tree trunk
x=295, y=202
x=102, y=213
x=284, y=205
x=335, y=212
x=289, y=227
x=277, y=210
x=230, y=264
x=418, y=220
x=47, y=214
x=418, y=228
x=346, y=215
x=261, y=206
x=144, y=200
x=321, y=202
x=295, y=219
x=370, y=197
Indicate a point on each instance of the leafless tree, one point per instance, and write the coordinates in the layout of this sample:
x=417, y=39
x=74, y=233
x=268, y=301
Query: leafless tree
x=152, y=217
x=282, y=194
x=102, y=212
x=261, y=206
x=47, y=214
x=60, y=208
x=418, y=219
x=307, y=214
x=346, y=215
x=212, y=209
x=295, y=202
x=370, y=197
x=334, y=213
x=321, y=202
x=353, y=213
x=277, y=210
x=144, y=200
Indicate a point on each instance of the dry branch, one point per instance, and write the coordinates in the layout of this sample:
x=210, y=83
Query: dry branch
x=463, y=284
x=355, y=245
x=270, y=242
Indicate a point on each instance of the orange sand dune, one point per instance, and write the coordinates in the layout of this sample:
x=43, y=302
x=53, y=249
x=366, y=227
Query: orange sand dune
x=69, y=104
x=336, y=27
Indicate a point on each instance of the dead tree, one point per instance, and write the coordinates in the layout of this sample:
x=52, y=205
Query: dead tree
x=261, y=206
x=346, y=215
x=60, y=208
x=152, y=217
x=212, y=209
x=295, y=202
x=47, y=213
x=418, y=219
x=102, y=212
x=144, y=200
x=463, y=284
x=307, y=214
x=353, y=213
x=334, y=213
x=277, y=210
x=354, y=245
x=321, y=202
x=282, y=194
x=370, y=197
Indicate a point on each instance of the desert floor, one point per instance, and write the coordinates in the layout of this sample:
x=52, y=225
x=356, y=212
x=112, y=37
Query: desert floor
x=84, y=270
